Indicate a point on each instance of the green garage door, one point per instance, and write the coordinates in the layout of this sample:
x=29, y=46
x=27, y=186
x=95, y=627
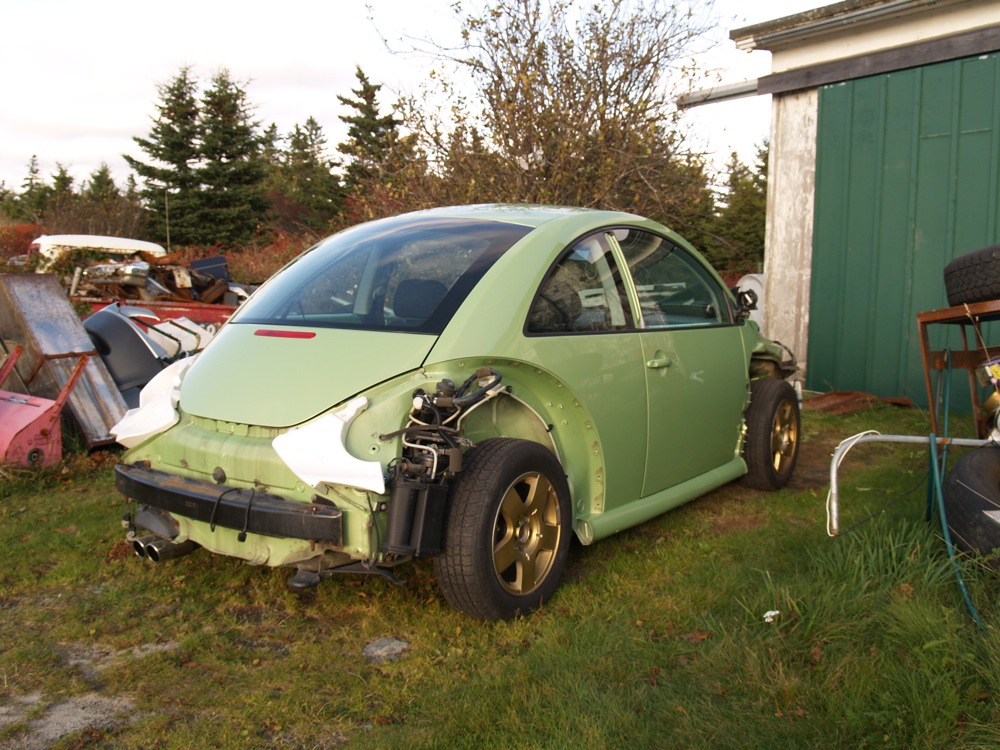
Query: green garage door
x=907, y=172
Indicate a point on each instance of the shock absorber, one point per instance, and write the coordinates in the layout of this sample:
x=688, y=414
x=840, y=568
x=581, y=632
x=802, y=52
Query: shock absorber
x=417, y=506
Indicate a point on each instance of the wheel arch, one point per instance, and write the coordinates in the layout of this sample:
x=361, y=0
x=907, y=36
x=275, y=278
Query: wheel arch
x=536, y=405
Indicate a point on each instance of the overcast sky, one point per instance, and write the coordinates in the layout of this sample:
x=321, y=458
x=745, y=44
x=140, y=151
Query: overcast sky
x=79, y=76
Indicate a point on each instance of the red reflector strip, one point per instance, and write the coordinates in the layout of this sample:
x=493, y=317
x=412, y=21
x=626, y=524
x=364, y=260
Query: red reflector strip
x=284, y=334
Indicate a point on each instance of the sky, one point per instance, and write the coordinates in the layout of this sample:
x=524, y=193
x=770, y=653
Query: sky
x=79, y=77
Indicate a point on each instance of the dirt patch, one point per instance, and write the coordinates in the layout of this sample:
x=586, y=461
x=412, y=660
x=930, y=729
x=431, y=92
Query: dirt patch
x=120, y=550
x=813, y=467
x=734, y=525
x=93, y=712
x=90, y=661
x=90, y=712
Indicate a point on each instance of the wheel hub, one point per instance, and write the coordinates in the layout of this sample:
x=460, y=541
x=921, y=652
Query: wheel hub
x=783, y=437
x=527, y=534
x=524, y=531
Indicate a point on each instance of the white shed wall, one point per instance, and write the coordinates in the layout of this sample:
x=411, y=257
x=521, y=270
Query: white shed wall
x=791, y=184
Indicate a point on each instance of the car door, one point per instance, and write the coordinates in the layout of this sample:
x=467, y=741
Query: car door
x=695, y=363
x=580, y=327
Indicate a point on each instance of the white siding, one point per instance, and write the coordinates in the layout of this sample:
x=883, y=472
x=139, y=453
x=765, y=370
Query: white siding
x=791, y=186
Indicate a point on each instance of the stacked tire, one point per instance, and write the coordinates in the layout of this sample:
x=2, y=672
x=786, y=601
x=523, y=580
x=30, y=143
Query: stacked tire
x=972, y=487
x=973, y=277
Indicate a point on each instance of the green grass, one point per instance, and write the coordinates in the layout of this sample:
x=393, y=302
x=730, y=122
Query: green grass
x=657, y=637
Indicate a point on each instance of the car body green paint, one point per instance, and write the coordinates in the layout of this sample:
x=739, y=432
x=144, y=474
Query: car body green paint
x=287, y=381
x=592, y=399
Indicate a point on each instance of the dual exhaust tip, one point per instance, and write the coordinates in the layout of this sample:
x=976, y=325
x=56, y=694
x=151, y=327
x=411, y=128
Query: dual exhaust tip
x=156, y=549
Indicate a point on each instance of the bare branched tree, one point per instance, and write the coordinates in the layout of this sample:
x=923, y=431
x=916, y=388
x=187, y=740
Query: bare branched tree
x=568, y=103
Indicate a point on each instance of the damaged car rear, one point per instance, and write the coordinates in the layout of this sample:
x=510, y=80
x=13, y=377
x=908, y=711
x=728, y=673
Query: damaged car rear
x=475, y=384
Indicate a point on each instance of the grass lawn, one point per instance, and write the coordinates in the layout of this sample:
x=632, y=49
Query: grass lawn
x=659, y=637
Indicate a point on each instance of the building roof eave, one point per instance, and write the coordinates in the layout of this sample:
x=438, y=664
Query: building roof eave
x=784, y=31
x=721, y=93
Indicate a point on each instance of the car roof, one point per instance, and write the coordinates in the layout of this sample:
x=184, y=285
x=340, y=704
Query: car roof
x=524, y=214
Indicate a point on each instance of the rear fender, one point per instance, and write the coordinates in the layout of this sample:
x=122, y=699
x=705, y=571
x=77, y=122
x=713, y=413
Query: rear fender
x=535, y=405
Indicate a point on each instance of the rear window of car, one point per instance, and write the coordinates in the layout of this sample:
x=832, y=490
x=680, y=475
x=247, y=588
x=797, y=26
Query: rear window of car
x=404, y=274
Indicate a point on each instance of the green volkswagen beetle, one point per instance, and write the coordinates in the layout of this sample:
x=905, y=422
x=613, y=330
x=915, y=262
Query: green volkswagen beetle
x=476, y=384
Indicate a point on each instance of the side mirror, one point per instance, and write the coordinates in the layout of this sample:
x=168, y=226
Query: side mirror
x=746, y=300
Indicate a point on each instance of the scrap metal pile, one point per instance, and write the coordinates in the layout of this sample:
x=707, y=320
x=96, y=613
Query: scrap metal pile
x=148, y=277
x=96, y=367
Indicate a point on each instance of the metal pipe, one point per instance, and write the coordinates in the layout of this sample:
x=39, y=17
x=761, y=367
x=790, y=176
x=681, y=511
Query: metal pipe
x=77, y=275
x=833, y=500
x=139, y=544
x=164, y=549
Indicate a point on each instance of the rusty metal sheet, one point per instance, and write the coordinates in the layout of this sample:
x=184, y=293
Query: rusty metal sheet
x=846, y=402
x=35, y=313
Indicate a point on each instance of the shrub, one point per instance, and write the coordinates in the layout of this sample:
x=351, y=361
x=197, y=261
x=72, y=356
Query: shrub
x=15, y=239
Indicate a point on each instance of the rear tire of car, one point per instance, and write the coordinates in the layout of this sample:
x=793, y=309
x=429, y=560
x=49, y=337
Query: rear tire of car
x=508, y=530
x=773, y=431
x=973, y=277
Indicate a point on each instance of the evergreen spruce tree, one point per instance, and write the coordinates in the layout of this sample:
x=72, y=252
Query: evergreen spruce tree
x=132, y=188
x=308, y=179
x=62, y=181
x=232, y=172
x=34, y=196
x=103, y=208
x=272, y=156
x=171, y=185
x=204, y=181
x=372, y=139
x=62, y=200
x=101, y=186
x=739, y=226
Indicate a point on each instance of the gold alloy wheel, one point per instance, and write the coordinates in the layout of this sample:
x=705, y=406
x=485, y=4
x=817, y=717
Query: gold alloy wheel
x=784, y=437
x=527, y=531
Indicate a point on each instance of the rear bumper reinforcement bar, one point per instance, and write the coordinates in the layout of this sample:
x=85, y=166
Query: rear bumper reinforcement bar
x=230, y=507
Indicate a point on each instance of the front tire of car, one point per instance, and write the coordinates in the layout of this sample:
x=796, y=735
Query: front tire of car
x=773, y=433
x=508, y=530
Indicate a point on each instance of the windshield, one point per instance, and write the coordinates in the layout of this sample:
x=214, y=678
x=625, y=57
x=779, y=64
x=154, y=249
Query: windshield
x=404, y=274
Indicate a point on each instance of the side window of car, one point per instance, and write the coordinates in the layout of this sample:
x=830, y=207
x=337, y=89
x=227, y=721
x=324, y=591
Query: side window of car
x=674, y=289
x=583, y=292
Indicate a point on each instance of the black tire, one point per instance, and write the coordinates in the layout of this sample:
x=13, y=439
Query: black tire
x=773, y=431
x=508, y=530
x=972, y=487
x=973, y=277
